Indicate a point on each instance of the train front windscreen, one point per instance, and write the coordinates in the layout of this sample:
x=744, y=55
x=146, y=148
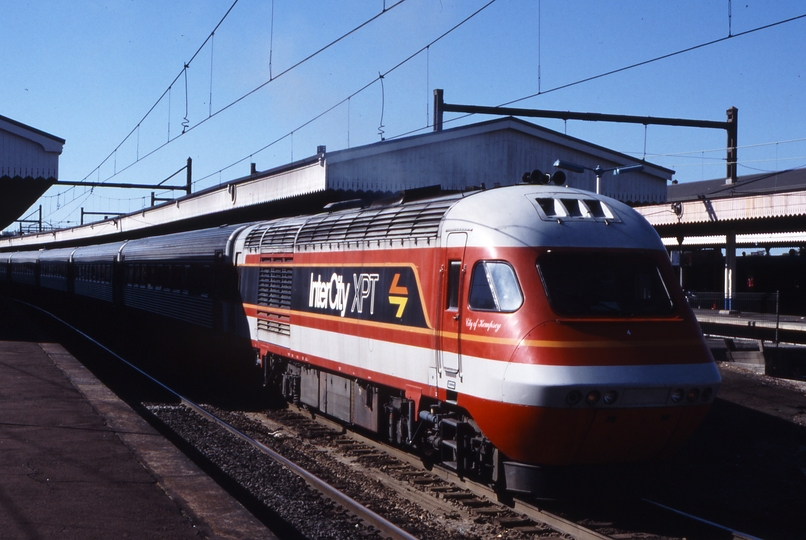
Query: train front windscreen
x=604, y=284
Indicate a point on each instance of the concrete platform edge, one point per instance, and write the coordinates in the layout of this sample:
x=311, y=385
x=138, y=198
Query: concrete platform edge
x=180, y=478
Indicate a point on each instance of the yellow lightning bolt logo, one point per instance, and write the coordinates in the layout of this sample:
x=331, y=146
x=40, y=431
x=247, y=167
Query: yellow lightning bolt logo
x=399, y=301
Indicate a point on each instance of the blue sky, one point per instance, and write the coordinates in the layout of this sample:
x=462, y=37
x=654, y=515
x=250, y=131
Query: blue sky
x=89, y=72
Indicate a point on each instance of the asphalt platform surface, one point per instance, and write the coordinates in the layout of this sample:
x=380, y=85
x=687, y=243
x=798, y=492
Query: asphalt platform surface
x=76, y=462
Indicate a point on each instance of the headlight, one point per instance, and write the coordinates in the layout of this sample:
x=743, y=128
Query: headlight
x=677, y=395
x=692, y=395
x=610, y=397
x=573, y=397
x=592, y=397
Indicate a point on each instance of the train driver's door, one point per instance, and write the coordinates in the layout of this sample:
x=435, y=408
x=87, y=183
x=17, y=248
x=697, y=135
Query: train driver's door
x=452, y=308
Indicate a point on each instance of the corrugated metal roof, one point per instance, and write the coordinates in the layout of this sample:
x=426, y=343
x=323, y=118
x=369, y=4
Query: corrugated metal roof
x=494, y=152
x=98, y=253
x=51, y=143
x=61, y=254
x=706, y=210
x=25, y=256
x=742, y=240
x=754, y=184
x=199, y=245
x=29, y=163
x=306, y=179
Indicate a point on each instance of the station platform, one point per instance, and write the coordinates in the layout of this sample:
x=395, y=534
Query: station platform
x=76, y=462
x=792, y=324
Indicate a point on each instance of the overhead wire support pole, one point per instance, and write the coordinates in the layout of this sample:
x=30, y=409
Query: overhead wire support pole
x=187, y=188
x=116, y=185
x=26, y=220
x=731, y=125
x=189, y=176
x=733, y=136
x=105, y=214
x=441, y=107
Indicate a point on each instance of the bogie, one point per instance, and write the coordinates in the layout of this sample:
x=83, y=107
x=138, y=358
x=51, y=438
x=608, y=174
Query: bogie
x=442, y=434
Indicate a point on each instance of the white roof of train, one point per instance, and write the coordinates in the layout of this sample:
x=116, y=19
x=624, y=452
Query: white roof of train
x=534, y=215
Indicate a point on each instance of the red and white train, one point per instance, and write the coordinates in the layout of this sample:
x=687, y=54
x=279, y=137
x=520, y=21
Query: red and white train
x=498, y=331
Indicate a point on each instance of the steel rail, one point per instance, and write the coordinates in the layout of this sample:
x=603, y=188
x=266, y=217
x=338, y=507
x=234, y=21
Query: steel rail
x=377, y=521
x=558, y=523
x=737, y=535
x=370, y=517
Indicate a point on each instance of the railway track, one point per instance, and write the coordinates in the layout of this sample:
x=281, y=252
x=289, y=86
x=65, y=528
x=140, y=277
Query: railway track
x=361, y=519
x=522, y=517
x=405, y=500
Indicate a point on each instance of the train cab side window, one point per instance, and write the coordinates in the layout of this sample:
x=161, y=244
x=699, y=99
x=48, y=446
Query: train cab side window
x=454, y=273
x=494, y=287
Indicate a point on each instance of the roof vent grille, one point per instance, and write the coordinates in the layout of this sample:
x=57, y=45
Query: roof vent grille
x=579, y=209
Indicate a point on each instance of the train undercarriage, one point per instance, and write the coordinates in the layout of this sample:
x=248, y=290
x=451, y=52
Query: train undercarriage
x=440, y=432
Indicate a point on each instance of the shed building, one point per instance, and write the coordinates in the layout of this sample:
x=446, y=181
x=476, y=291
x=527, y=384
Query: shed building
x=481, y=155
x=491, y=153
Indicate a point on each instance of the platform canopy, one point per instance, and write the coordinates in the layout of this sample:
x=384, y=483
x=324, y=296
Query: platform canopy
x=29, y=165
x=476, y=156
x=763, y=209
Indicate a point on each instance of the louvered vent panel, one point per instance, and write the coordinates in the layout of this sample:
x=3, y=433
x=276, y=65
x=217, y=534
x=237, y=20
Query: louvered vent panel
x=274, y=287
x=338, y=228
x=359, y=225
x=317, y=229
x=427, y=223
x=279, y=239
x=379, y=227
x=576, y=209
x=252, y=241
x=275, y=325
x=408, y=221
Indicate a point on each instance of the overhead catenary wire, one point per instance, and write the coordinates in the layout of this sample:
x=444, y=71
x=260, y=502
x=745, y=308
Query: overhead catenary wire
x=657, y=59
x=540, y=92
x=187, y=128
x=210, y=100
x=427, y=47
x=627, y=68
x=361, y=89
x=167, y=90
x=271, y=38
x=722, y=148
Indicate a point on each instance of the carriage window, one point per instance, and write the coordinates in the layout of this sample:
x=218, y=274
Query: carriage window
x=599, y=284
x=207, y=281
x=494, y=287
x=194, y=279
x=137, y=275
